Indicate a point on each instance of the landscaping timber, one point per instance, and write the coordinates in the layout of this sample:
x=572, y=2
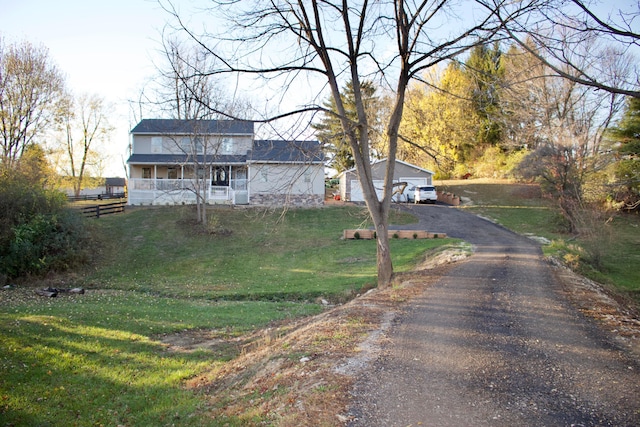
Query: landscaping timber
x=368, y=234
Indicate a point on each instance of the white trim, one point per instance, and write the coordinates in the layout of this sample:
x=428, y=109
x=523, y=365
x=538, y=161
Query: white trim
x=397, y=161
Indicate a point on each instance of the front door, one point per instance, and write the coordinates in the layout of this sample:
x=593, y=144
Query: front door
x=220, y=176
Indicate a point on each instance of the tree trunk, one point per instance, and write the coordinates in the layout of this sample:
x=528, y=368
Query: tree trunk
x=384, y=263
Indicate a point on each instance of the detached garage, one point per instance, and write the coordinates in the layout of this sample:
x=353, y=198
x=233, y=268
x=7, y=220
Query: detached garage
x=351, y=190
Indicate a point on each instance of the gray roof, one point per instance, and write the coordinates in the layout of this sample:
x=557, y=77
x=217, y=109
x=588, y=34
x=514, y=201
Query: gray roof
x=375, y=162
x=181, y=159
x=181, y=127
x=115, y=182
x=264, y=151
x=287, y=151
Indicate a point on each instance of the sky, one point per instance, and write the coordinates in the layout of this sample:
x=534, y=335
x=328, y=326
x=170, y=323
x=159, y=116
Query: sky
x=106, y=47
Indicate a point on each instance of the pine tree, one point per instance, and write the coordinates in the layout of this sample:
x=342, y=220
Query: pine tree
x=626, y=139
x=330, y=132
x=484, y=70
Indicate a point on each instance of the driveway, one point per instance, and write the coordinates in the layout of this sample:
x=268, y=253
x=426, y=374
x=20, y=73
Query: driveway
x=493, y=343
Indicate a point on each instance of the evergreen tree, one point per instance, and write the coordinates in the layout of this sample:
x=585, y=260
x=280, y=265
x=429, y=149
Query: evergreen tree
x=626, y=139
x=484, y=71
x=330, y=131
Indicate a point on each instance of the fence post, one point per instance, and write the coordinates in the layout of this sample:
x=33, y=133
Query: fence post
x=97, y=211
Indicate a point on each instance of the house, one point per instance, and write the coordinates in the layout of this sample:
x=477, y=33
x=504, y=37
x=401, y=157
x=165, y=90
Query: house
x=174, y=160
x=351, y=190
x=115, y=186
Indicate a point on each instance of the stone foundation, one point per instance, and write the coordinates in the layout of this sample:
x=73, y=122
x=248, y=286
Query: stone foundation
x=298, y=200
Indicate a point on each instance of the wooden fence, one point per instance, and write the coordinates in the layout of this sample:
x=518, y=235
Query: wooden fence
x=96, y=197
x=95, y=211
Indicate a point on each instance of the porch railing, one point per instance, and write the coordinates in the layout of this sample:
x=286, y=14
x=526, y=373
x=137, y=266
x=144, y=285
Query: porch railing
x=151, y=189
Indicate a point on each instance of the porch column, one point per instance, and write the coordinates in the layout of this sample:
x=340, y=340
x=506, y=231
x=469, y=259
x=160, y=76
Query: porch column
x=230, y=191
x=155, y=181
x=248, y=185
x=208, y=181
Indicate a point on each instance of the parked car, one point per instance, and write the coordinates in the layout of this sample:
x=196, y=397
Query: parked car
x=422, y=194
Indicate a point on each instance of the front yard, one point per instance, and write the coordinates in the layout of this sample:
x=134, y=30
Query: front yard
x=102, y=358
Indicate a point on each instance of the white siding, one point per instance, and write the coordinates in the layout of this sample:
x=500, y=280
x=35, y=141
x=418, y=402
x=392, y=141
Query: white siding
x=167, y=144
x=287, y=179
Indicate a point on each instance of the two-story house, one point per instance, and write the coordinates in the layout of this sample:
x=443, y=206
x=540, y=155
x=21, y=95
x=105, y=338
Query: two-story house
x=174, y=161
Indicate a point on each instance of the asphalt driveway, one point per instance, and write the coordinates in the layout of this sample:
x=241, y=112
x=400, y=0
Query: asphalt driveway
x=493, y=343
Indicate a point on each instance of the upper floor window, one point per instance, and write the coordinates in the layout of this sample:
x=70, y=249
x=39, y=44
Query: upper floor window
x=156, y=145
x=192, y=145
x=227, y=145
x=185, y=145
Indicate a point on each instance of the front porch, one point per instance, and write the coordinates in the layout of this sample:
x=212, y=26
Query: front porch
x=162, y=184
x=159, y=191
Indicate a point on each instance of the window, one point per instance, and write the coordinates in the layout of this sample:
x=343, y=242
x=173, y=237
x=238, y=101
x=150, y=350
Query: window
x=198, y=145
x=264, y=175
x=172, y=173
x=227, y=145
x=185, y=145
x=192, y=145
x=156, y=145
x=307, y=175
x=146, y=173
x=241, y=173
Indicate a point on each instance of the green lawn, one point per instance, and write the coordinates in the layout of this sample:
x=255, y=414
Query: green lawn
x=99, y=359
x=252, y=255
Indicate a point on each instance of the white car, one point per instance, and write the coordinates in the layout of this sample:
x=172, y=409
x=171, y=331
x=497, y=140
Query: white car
x=422, y=194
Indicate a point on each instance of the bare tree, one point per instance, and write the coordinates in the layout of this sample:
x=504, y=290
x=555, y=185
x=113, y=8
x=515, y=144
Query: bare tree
x=84, y=125
x=563, y=39
x=570, y=119
x=182, y=92
x=30, y=87
x=330, y=43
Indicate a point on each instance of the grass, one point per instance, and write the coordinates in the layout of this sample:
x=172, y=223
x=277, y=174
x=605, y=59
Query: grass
x=252, y=256
x=608, y=253
x=97, y=359
x=100, y=359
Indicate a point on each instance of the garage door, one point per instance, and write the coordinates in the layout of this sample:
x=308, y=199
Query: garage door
x=358, y=196
x=356, y=190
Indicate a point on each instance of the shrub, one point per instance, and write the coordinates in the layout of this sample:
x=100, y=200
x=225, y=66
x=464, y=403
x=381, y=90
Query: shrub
x=45, y=243
x=38, y=233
